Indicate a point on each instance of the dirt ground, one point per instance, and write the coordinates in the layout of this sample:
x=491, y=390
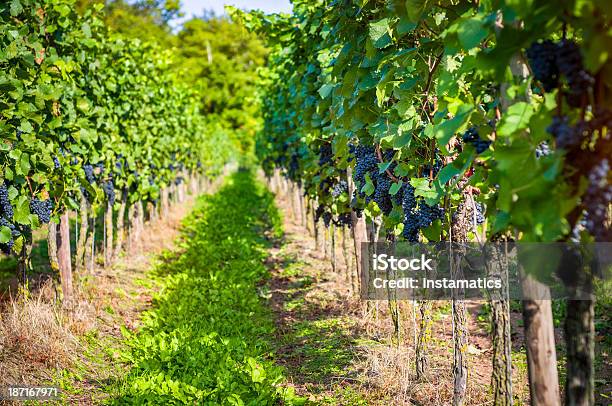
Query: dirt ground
x=338, y=350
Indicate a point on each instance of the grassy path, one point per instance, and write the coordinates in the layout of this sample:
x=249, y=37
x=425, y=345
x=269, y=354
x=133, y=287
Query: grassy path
x=206, y=339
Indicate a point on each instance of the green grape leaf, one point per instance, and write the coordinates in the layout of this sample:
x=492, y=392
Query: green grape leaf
x=22, y=211
x=5, y=234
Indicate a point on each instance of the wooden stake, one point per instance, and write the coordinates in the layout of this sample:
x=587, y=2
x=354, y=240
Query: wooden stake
x=63, y=259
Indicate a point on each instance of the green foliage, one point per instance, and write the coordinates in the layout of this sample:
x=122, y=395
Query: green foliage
x=220, y=59
x=410, y=78
x=75, y=95
x=207, y=338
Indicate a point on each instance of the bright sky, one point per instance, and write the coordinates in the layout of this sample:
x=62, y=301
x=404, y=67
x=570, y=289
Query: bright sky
x=195, y=7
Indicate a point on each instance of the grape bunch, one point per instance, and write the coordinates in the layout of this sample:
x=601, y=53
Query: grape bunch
x=6, y=215
x=178, y=180
x=569, y=61
x=597, y=201
x=344, y=219
x=6, y=209
x=366, y=162
x=566, y=135
x=109, y=191
x=56, y=162
x=42, y=209
x=471, y=136
x=321, y=212
x=8, y=246
x=550, y=61
x=480, y=218
x=326, y=154
x=417, y=214
x=293, y=171
x=325, y=185
x=339, y=188
x=89, y=173
x=542, y=58
x=327, y=218
x=381, y=193
x=432, y=169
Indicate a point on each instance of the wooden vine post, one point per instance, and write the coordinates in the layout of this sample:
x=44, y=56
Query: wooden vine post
x=108, y=234
x=501, y=376
x=81, y=246
x=121, y=231
x=459, y=228
x=359, y=236
x=63, y=259
x=537, y=312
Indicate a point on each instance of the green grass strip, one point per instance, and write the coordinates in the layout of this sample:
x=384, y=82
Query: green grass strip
x=207, y=338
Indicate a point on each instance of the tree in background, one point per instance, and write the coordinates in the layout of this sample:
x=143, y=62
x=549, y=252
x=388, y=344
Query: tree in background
x=218, y=58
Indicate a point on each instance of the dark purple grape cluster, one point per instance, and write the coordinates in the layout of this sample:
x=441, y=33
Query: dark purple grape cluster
x=6, y=215
x=417, y=214
x=42, y=209
x=109, y=191
x=178, y=180
x=480, y=218
x=566, y=135
x=293, y=171
x=325, y=184
x=6, y=209
x=366, y=161
x=8, y=246
x=327, y=218
x=85, y=194
x=381, y=193
x=543, y=61
x=550, y=61
x=89, y=173
x=432, y=169
x=569, y=61
x=471, y=136
x=319, y=212
x=597, y=201
x=326, y=154
x=339, y=188
x=56, y=162
x=343, y=220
